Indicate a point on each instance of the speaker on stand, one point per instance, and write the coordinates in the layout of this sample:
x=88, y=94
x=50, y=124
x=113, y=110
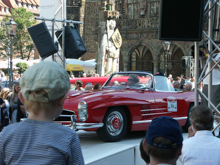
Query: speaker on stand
x=74, y=46
x=42, y=40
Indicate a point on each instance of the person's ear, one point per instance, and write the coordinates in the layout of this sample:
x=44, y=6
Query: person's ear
x=144, y=145
x=179, y=152
x=21, y=97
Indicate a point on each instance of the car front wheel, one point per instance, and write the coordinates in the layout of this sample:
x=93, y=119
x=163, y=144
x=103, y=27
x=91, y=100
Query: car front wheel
x=115, y=125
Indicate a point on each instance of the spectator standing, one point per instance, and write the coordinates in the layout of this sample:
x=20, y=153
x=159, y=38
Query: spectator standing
x=21, y=112
x=176, y=85
x=178, y=79
x=2, y=104
x=201, y=147
x=170, y=76
x=182, y=81
x=188, y=87
x=187, y=79
x=84, y=74
x=5, y=95
x=192, y=80
x=0, y=77
x=215, y=98
x=13, y=102
x=38, y=140
x=163, y=141
x=201, y=84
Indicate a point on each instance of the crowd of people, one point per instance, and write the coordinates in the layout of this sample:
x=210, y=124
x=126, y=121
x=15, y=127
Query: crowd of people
x=3, y=77
x=81, y=75
x=184, y=83
x=9, y=106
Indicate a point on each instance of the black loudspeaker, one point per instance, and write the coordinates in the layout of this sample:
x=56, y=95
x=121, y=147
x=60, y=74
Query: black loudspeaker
x=42, y=40
x=74, y=46
x=181, y=20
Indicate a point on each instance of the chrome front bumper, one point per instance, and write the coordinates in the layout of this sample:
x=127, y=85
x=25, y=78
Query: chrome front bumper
x=79, y=126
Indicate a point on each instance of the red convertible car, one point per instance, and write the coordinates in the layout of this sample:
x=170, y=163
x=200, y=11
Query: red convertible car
x=128, y=101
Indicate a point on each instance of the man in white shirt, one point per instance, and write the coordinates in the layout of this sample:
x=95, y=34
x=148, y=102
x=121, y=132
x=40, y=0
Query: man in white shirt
x=201, y=147
x=215, y=98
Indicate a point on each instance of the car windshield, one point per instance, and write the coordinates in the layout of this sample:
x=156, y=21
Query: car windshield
x=132, y=80
x=139, y=80
x=163, y=84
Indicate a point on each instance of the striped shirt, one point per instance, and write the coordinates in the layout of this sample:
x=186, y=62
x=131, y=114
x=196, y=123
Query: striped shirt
x=39, y=142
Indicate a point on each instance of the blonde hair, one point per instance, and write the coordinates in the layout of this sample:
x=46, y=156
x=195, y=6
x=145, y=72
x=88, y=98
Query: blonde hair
x=5, y=95
x=14, y=91
x=37, y=107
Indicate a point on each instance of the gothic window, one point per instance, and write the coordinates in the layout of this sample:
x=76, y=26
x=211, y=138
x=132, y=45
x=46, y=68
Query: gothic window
x=133, y=9
x=141, y=59
x=153, y=6
x=133, y=61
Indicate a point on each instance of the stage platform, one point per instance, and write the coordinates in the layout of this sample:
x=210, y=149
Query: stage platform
x=124, y=152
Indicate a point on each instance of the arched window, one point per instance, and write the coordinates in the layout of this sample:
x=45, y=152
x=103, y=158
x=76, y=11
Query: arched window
x=141, y=59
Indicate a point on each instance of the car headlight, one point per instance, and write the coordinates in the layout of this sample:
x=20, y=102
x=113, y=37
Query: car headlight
x=82, y=111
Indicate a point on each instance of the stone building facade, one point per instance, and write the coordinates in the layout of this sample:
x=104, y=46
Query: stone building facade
x=141, y=48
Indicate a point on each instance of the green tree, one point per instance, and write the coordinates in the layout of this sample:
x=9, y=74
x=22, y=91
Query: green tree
x=23, y=44
x=22, y=67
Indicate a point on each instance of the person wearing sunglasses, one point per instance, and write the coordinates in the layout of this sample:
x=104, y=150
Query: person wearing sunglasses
x=132, y=79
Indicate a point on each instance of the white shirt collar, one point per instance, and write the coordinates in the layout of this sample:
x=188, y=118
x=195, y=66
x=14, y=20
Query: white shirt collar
x=204, y=132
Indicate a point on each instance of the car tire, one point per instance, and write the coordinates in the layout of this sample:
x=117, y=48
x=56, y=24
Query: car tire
x=188, y=122
x=115, y=125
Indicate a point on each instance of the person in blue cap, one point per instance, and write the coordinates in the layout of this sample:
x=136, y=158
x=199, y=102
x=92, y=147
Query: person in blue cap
x=163, y=141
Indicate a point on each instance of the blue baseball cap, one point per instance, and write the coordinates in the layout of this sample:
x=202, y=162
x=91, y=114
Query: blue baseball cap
x=167, y=127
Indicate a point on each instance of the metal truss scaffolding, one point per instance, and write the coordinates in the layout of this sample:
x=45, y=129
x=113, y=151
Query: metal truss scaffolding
x=212, y=11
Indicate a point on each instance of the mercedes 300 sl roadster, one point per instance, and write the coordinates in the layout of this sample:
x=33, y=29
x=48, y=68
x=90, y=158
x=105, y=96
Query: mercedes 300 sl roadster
x=128, y=101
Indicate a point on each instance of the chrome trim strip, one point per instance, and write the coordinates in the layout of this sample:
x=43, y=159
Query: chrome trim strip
x=144, y=110
x=180, y=118
x=79, y=126
x=148, y=121
x=69, y=110
x=155, y=113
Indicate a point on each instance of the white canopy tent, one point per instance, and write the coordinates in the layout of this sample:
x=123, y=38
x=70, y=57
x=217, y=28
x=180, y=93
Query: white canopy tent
x=4, y=64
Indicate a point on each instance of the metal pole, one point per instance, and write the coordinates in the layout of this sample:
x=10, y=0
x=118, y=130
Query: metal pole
x=196, y=102
x=166, y=63
x=8, y=64
x=210, y=32
x=11, y=64
x=53, y=37
x=63, y=46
